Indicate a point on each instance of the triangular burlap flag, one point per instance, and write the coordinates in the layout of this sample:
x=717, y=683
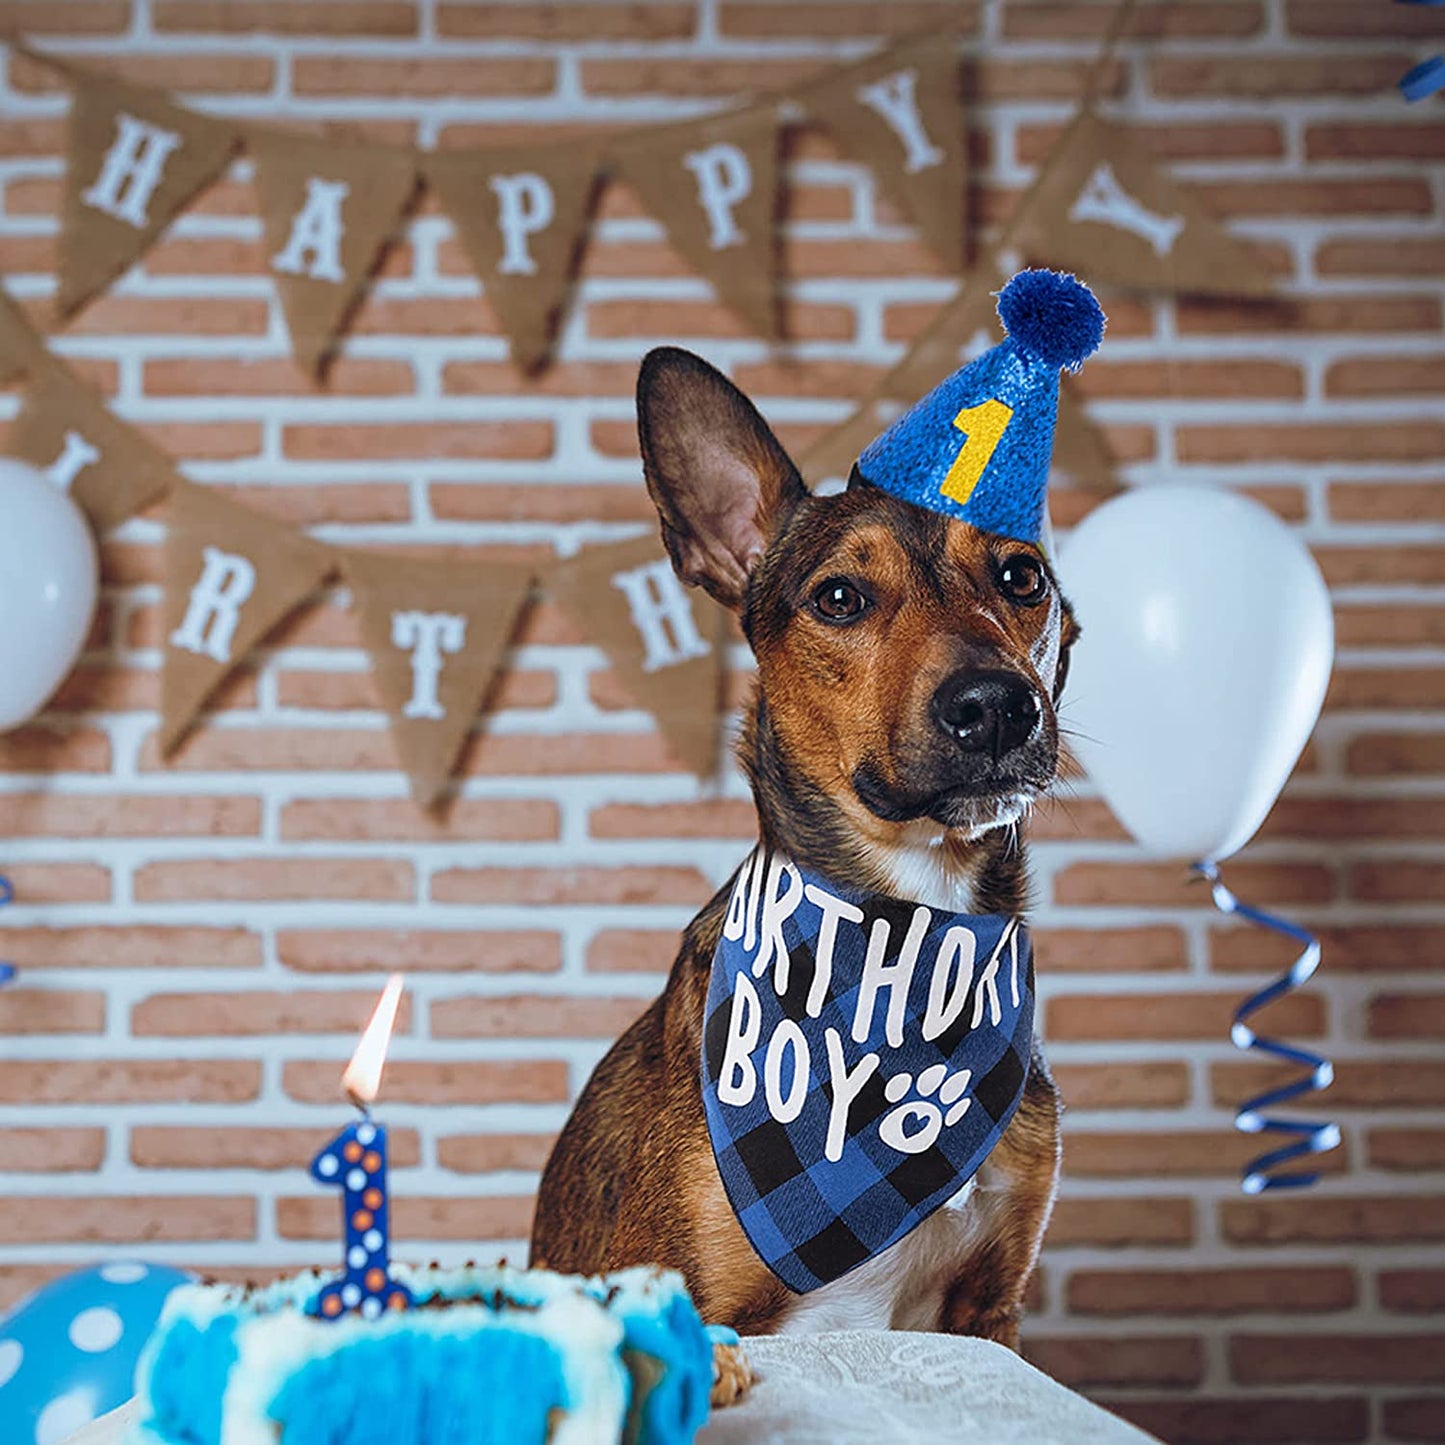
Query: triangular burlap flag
x=231, y=576
x=109, y=467
x=665, y=640
x=135, y=162
x=21, y=349
x=1104, y=207
x=521, y=216
x=329, y=212
x=436, y=633
x=714, y=185
x=902, y=113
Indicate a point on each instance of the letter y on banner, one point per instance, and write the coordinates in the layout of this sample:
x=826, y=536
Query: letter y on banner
x=231, y=576
x=521, y=216
x=902, y=113
x=329, y=212
x=714, y=185
x=1107, y=209
x=135, y=162
x=666, y=640
x=436, y=633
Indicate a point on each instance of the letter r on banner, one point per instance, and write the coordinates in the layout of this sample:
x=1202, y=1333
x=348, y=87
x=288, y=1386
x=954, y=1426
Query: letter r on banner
x=316, y=231
x=426, y=636
x=724, y=178
x=895, y=98
x=525, y=205
x=214, y=609
x=131, y=170
x=657, y=603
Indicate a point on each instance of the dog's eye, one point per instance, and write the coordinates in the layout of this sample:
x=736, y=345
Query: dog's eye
x=838, y=600
x=1022, y=578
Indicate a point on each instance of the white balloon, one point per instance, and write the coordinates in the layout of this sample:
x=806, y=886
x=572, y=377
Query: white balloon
x=48, y=585
x=1206, y=650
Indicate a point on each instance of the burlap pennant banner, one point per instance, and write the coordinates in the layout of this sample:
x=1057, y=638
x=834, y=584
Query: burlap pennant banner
x=521, y=216
x=109, y=467
x=135, y=162
x=714, y=185
x=902, y=113
x=231, y=576
x=436, y=633
x=21, y=349
x=1105, y=208
x=329, y=213
x=666, y=641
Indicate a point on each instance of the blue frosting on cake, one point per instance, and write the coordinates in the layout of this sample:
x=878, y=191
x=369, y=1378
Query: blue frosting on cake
x=486, y=1354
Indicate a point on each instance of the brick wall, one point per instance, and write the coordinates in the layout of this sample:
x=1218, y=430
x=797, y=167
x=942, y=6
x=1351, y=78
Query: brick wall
x=201, y=942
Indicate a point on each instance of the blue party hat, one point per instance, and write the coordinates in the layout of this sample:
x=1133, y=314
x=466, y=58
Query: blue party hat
x=977, y=447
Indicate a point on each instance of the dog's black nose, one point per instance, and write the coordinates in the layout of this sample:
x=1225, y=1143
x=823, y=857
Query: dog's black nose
x=987, y=712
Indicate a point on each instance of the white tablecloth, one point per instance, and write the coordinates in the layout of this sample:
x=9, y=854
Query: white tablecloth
x=874, y=1387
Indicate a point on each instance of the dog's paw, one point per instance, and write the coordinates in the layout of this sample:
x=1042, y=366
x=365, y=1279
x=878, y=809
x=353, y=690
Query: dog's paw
x=917, y=1122
x=732, y=1375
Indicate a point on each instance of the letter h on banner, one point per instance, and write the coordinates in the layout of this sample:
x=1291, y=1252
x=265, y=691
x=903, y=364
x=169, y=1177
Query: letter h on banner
x=131, y=170
x=662, y=613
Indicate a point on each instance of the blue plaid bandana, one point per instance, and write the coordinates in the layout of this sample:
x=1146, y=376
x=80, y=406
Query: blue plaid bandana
x=861, y=1057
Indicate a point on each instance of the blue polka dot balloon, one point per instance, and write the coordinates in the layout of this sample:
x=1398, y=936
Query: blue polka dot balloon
x=68, y=1353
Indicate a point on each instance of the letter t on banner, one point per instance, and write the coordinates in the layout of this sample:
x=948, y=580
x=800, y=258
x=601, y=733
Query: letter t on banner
x=436, y=633
x=666, y=641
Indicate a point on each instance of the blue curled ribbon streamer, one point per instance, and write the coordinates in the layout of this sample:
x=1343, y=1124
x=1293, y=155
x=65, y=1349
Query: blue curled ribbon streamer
x=1423, y=80
x=7, y=895
x=1313, y=1137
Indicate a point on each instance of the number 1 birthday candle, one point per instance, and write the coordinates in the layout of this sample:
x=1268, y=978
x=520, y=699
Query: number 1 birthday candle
x=355, y=1162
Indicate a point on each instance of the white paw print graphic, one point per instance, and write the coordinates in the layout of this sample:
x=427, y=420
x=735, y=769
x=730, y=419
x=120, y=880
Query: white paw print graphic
x=916, y=1123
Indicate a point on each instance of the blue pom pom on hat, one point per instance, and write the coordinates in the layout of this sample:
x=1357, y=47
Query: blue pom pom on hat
x=977, y=447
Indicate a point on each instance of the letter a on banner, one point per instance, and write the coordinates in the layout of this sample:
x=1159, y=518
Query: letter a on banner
x=134, y=163
x=521, y=216
x=1106, y=208
x=231, y=576
x=714, y=185
x=329, y=212
x=902, y=113
x=436, y=633
x=665, y=640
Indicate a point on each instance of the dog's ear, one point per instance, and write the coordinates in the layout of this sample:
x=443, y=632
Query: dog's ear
x=719, y=479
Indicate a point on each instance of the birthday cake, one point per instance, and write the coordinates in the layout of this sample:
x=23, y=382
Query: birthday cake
x=480, y=1355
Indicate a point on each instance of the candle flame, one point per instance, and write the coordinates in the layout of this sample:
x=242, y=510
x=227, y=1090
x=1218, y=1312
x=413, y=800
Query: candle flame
x=362, y=1079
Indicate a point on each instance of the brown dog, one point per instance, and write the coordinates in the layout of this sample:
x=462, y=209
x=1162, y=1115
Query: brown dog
x=902, y=725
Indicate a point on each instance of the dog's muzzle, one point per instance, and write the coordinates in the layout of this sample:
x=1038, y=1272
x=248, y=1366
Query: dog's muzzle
x=994, y=713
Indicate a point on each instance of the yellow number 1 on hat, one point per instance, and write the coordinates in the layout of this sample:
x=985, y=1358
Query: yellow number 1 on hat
x=985, y=425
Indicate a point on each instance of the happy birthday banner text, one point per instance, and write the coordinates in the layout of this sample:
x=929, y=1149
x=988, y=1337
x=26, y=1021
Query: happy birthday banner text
x=436, y=632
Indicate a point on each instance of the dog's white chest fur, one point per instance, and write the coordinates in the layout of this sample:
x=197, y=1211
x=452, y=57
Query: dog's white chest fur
x=902, y=1288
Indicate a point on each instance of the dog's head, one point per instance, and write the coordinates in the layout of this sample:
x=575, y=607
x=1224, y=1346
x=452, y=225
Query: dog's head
x=908, y=664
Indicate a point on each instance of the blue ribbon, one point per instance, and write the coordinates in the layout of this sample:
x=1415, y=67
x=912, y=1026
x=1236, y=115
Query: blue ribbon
x=1312, y=1137
x=1423, y=80
x=7, y=895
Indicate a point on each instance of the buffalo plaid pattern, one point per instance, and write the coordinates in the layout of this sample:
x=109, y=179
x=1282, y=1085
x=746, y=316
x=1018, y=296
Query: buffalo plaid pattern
x=813, y=1219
